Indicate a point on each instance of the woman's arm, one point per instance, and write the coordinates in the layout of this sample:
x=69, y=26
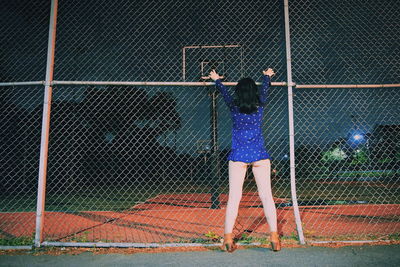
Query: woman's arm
x=222, y=88
x=266, y=83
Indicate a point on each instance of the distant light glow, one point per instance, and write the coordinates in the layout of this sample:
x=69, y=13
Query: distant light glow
x=358, y=137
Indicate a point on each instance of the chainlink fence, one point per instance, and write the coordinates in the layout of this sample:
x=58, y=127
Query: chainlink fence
x=19, y=157
x=347, y=139
x=146, y=165
x=348, y=187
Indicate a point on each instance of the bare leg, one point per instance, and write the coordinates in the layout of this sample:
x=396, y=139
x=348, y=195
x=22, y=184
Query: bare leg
x=237, y=172
x=262, y=174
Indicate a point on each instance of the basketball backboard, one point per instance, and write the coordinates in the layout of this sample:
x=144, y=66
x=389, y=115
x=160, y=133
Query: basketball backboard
x=198, y=61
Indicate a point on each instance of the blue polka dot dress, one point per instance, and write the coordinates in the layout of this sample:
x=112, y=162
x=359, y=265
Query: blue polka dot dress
x=247, y=139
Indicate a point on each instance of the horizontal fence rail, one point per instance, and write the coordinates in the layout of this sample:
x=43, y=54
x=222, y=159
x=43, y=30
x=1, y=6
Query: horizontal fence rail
x=160, y=83
x=154, y=83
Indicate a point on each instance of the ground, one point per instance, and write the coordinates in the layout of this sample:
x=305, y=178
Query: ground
x=335, y=254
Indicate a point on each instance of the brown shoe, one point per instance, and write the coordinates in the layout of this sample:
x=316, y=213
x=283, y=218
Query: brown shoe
x=229, y=245
x=275, y=241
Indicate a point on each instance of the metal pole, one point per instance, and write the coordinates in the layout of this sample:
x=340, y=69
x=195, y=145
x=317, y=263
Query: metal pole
x=387, y=85
x=136, y=245
x=41, y=196
x=197, y=84
x=215, y=154
x=184, y=64
x=212, y=46
x=160, y=83
x=23, y=83
x=291, y=127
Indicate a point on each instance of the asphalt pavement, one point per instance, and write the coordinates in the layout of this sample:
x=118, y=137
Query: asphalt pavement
x=384, y=255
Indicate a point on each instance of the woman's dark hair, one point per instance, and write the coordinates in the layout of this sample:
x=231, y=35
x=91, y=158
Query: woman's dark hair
x=247, y=96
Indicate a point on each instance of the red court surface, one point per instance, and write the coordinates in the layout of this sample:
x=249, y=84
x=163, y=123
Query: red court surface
x=187, y=218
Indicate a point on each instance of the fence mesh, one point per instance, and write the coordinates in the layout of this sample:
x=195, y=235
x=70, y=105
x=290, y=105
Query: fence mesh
x=23, y=41
x=344, y=42
x=24, y=27
x=137, y=41
x=138, y=165
x=347, y=140
x=347, y=154
x=147, y=164
x=19, y=160
x=165, y=154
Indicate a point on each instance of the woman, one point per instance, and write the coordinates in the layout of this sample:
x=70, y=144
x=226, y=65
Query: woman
x=247, y=107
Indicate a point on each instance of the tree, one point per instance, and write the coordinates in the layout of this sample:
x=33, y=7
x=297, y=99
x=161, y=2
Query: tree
x=334, y=154
x=124, y=126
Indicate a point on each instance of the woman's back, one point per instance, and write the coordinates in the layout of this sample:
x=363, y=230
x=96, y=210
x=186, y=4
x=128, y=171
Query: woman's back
x=243, y=121
x=247, y=140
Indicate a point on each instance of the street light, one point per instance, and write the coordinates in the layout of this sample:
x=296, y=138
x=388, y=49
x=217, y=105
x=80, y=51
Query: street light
x=358, y=137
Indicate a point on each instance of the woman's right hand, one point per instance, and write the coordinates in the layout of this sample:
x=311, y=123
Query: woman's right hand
x=214, y=75
x=270, y=72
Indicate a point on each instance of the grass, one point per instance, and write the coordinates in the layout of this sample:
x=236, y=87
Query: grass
x=395, y=236
x=292, y=236
x=81, y=238
x=248, y=239
x=17, y=241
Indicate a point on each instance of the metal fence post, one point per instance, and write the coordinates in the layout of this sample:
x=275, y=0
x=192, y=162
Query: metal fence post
x=291, y=127
x=215, y=204
x=41, y=196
